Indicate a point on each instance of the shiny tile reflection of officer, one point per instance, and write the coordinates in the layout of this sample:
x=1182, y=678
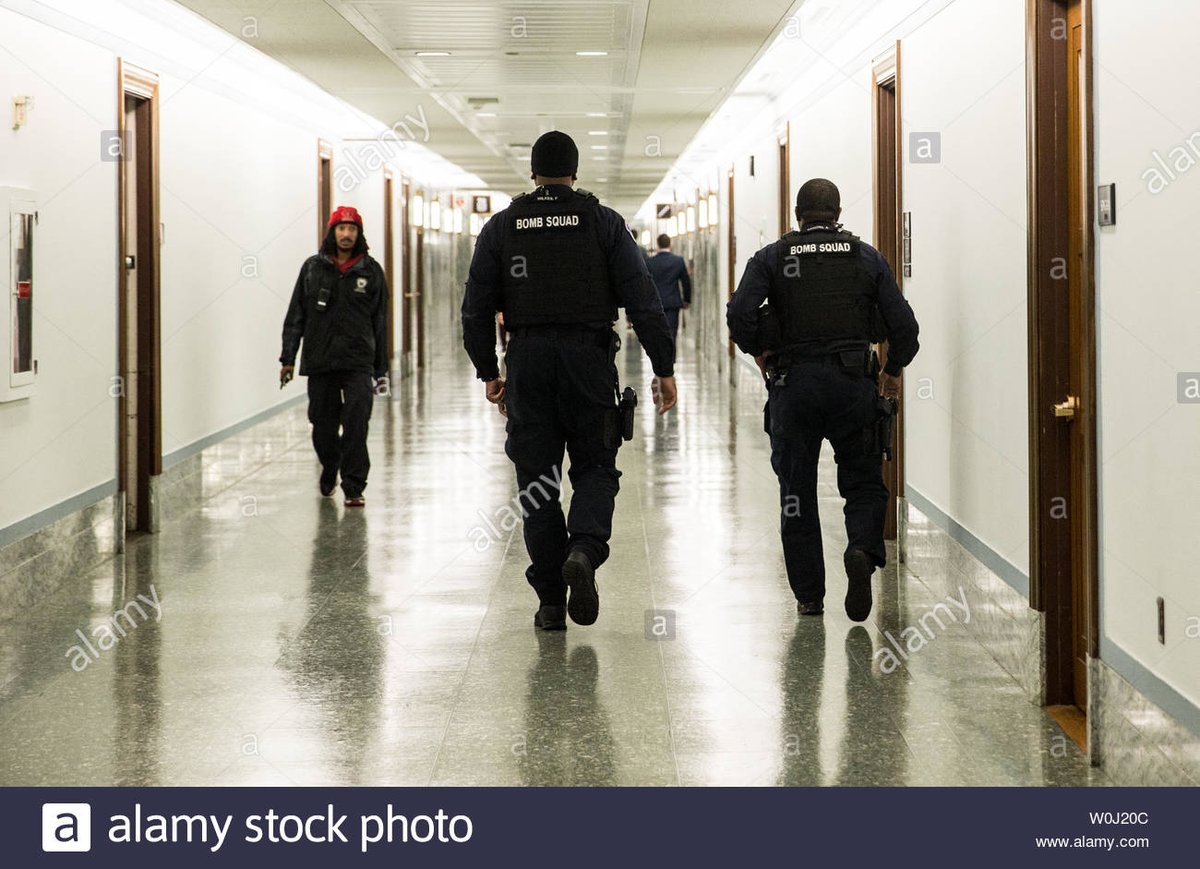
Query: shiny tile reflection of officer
x=869, y=749
x=568, y=738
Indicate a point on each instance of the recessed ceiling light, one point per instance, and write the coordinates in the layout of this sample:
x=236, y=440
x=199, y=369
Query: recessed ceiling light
x=597, y=114
x=601, y=179
x=485, y=114
x=433, y=54
x=591, y=54
x=599, y=147
x=597, y=132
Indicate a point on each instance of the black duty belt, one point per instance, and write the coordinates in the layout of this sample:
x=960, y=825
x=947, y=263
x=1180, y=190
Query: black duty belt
x=861, y=360
x=599, y=337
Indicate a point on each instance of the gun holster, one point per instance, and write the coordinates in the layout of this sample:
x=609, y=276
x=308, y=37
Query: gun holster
x=768, y=331
x=778, y=365
x=859, y=362
x=618, y=421
x=626, y=408
x=881, y=434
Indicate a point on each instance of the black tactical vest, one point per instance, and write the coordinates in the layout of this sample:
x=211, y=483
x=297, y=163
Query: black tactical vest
x=555, y=270
x=821, y=291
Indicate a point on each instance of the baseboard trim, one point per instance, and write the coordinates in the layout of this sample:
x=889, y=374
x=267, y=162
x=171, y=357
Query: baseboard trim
x=1150, y=686
x=992, y=560
x=196, y=447
x=22, y=528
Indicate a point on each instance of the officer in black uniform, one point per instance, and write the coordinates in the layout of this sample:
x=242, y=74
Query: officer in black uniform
x=830, y=296
x=558, y=264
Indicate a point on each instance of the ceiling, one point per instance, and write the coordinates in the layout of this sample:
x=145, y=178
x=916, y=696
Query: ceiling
x=512, y=72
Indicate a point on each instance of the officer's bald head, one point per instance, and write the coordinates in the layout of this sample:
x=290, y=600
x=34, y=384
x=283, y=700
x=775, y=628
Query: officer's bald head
x=818, y=199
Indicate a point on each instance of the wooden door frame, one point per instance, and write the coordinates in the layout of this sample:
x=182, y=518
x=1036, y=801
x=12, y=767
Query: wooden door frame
x=324, y=209
x=785, y=179
x=405, y=269
x=731, y=265
x=418, y=294
x=885, y=74
x=1049, y=363
x=389, y=257
x=141, y=84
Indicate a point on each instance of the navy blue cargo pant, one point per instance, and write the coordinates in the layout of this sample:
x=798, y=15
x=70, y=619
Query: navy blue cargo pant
x=342, y=400
x=821, y=400
x=558, y=387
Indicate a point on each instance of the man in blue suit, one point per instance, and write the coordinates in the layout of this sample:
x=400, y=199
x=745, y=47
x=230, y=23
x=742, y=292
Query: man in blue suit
x=672, y=279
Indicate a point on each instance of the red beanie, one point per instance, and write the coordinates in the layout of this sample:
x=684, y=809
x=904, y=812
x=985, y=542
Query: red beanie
x=345, y=214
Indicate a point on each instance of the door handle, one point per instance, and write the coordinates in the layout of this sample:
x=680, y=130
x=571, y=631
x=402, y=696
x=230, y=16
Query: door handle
x=1066, y=409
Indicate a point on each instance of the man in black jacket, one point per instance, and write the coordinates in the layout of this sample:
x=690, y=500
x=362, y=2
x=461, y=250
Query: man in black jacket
x=339, y=308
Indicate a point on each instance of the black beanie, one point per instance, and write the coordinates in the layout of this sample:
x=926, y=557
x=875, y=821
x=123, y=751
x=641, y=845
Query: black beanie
x=555, y=155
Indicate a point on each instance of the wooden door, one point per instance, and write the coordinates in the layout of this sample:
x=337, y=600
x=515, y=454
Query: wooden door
x=139, y=454
x=887, y=167
x=389, y=270
x=324, y=188
x=1062, y=347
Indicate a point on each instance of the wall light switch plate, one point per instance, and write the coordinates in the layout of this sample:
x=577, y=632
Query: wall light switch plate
x=1106, y=204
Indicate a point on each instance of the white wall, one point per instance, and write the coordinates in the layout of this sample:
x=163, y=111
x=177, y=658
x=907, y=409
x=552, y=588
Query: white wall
x=831, y=138
x=966, y=448
x=1149, y=311
x=755, y=200
x=238, y=154
x=61, y=441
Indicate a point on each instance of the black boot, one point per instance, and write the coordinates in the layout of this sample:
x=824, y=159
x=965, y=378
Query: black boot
x=859, y=568
x=550, y=618
x=583, y=601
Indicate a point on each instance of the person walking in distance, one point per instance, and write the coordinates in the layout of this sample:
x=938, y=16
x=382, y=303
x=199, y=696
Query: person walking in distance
x=339, y=312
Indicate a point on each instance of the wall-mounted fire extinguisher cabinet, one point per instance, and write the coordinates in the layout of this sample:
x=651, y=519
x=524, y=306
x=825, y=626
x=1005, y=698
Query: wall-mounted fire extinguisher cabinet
x=16, y=337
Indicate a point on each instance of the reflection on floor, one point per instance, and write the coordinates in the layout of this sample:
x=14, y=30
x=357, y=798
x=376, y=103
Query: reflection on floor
x=301, y=643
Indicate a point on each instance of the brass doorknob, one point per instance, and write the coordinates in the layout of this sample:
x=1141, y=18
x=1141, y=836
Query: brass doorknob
x=1067, y=409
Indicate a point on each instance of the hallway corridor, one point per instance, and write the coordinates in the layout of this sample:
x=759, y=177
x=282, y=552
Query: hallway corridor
x=303, y=644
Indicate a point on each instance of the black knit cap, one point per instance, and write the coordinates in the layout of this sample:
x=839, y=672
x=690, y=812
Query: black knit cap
x=555, y=155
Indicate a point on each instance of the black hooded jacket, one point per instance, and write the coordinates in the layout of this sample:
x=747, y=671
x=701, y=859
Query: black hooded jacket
x=342, y=318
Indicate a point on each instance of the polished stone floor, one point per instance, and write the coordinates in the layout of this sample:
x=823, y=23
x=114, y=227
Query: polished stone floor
x=303, y=644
